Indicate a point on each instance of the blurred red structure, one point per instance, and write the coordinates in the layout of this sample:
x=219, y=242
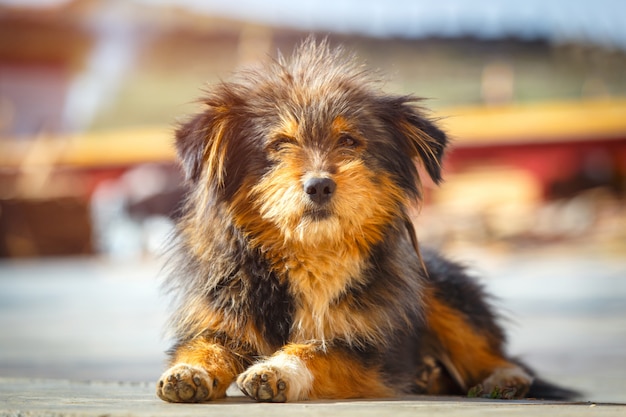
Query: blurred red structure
x=567, y=147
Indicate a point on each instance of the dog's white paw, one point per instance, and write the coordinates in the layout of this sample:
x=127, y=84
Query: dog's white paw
x=280, y=378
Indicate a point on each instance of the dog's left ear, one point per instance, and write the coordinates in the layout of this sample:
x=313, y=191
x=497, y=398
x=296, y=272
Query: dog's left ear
x=420, y=137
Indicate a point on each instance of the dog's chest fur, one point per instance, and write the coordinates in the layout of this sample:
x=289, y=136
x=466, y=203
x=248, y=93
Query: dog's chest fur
x=329, y=294
x=317, y=281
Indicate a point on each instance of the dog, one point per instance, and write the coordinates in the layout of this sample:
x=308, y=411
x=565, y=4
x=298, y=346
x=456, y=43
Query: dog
x=296, y=270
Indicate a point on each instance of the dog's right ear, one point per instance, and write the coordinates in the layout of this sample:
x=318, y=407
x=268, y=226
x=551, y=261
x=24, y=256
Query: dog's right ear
x=201, y=147
x=190, y=144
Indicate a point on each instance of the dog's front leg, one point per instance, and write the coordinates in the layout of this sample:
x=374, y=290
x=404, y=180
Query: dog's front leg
x=312, y=371
x=201, y=370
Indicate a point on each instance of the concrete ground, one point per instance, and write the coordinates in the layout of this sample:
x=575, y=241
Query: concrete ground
x=19, y=397
x=84, y=337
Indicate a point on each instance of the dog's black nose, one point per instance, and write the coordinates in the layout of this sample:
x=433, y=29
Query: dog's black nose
x=320, y=190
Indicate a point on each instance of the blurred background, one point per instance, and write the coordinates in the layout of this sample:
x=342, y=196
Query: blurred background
x=533, y=94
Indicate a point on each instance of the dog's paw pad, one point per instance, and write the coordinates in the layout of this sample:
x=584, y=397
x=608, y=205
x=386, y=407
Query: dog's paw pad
x=263, y=384
x=185, y=384
x=503, y=383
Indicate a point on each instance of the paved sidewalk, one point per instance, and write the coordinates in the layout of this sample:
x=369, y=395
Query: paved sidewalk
x=48, y=398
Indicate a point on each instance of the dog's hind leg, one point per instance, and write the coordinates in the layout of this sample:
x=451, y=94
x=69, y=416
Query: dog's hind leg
x=466, y=334
x=312, y=371
x=201, y=370
x=473, y=359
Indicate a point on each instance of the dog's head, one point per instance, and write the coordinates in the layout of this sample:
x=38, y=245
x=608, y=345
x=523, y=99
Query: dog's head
x=310, y=150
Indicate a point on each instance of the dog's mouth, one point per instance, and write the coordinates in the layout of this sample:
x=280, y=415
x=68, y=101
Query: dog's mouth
x=318, y=214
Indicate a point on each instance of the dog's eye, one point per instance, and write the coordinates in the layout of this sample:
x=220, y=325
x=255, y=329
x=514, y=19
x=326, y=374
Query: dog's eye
x=280, y=142
x=348, y=141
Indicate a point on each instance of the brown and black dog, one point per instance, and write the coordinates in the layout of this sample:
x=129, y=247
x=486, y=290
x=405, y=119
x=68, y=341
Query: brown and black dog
x=297, y=272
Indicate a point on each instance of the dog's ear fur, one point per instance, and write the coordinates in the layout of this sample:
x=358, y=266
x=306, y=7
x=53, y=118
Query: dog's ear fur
x=422, y=139
x=190, y=145
x=430, y=144
x=202, y=145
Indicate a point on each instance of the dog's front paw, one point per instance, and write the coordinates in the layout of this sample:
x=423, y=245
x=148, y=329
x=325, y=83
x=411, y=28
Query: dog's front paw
x=184, y=383
x=283, y=377
x=505, y=383
x=263, y=383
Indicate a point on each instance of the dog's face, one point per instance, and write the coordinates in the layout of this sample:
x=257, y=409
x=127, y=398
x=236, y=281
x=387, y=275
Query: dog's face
x=309, y=151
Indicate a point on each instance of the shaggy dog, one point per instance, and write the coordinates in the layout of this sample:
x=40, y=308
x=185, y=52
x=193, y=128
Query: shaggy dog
x=297, y=272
